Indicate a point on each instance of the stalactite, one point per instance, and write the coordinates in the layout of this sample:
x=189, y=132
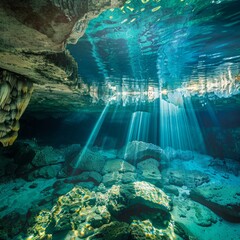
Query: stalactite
x=15, y=94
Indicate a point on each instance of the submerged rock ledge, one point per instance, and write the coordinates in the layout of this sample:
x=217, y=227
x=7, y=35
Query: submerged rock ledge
x=82, y=213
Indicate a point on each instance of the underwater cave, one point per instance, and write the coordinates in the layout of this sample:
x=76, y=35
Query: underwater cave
x=120, y=119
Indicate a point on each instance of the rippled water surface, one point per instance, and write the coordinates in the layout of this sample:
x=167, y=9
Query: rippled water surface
x=190, y=44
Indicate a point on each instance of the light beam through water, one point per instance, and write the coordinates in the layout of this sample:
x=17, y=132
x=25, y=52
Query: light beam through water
x=139, y=127
x=94, y=133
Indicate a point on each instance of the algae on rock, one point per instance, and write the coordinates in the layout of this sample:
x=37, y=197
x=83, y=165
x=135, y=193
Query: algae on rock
x=99, y=215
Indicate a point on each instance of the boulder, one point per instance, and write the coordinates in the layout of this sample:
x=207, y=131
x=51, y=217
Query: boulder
x=181, y=178
x=138, y=193
x=76, y=211
x=170, y=189
x=143, y=230
x=137, y=151
x=149, y=171
x=204, y=217
x=81, y=214
x=62, y=189
x=120, y=231
x=88, y=161
x=70, y=152
x=119, y=165
x=85, y=177
x=112, y=178
x=87, y=185
x=47, y=156
x=45, y=172
x=222, y=199
x=193, y=211
x=129, y=177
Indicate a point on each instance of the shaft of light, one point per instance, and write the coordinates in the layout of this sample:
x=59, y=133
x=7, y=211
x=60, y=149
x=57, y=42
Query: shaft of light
x=94, y=133
x=179, y=127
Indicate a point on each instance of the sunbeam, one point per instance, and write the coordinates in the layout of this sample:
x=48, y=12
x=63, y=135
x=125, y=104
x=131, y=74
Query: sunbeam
x=139, y=126
x=179, y=127
x=94, y=133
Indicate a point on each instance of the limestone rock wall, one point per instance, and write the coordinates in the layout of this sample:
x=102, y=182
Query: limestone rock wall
x=15, y=94
x=33, y=37
x=32, y=30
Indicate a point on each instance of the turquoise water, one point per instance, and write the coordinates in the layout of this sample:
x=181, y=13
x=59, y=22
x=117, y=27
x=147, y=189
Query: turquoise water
x=170, y=43
x=156, y=153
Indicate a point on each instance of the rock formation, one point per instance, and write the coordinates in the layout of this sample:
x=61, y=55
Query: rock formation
x=51, y=196
x=82, y=213
x=15, y=94
x=33, y=37
x=221, y=199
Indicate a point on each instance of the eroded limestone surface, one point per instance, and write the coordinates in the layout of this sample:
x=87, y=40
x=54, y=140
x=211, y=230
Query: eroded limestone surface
x=82, y=213
x=15, y=94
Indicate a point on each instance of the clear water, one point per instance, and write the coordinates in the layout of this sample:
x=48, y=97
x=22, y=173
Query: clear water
x=160, y=73
x=146, y=45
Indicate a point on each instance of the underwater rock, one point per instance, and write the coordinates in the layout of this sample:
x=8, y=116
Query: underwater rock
x=87, y=10
x=144, y=193
x=88, y=185
x=47, y=172
x=120, y=231
x=33, y=185
x=222, y=199
x=141, y=230
x=75, y=211
x=82, y=213
x=88, y=161
x=47, y=156
x=8, y=139
x=149, y=171
x=226, y=166
x=24, y=171
x=137, y=151
x=181, y=231
x=85, y=177
x=63, y=188
x=119, y=165
x=194, y=211
x=171, y=189
x=129, y=177
x=71, y=152
x=180, y=178
x=203, y=217
x=117, y=171
x=112, y=178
